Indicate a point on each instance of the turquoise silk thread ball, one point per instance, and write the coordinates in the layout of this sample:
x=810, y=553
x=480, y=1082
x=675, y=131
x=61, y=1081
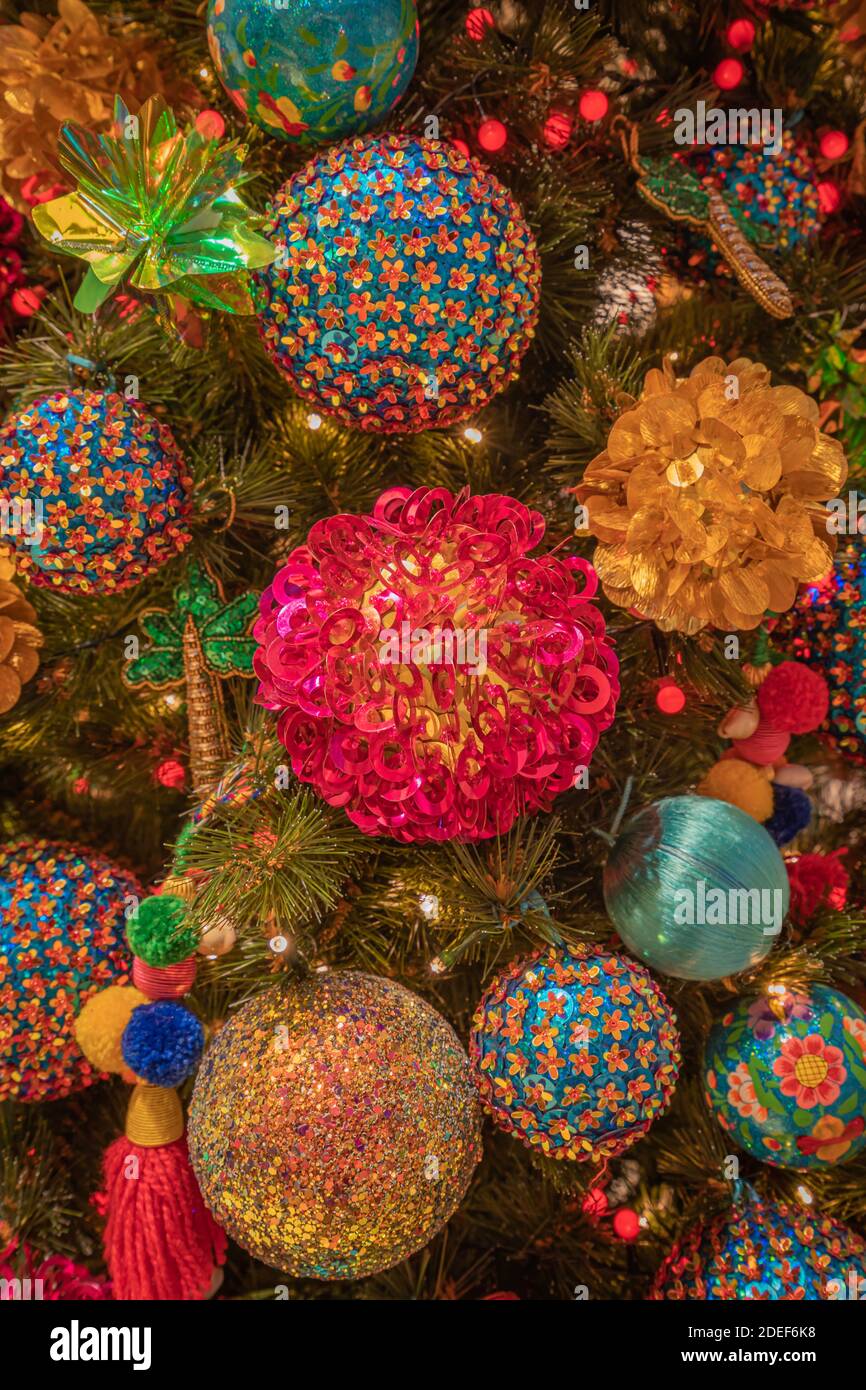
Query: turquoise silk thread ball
x=696, y=888
x=313, y=71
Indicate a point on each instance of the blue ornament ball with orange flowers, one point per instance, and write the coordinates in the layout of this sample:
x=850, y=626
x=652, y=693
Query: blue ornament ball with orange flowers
x=62, y=923
x=575, y=1052
x=314, y=71
x=761, y=1250
x=785, y=1076
x=96, y=489
x=404, y=291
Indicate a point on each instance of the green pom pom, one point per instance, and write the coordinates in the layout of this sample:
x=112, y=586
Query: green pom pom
x=157, y=933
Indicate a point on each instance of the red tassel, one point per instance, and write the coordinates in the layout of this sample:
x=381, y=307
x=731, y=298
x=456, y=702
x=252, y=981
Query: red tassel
x=161, y=1242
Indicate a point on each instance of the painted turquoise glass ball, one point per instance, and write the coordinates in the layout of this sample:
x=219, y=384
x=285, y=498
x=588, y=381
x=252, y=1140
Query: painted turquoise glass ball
x=785, y=1076
x=314, y=71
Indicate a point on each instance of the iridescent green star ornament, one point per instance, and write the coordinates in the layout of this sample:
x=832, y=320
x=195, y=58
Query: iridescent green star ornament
x=157, y=209
x=200, y=642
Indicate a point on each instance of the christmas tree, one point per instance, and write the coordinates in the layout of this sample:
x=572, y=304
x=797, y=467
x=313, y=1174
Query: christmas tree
x=432, y=696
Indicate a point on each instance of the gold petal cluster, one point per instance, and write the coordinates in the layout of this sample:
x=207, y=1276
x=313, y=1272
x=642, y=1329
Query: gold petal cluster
x=709, y=502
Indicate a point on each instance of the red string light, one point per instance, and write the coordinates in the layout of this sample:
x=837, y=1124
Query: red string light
x=834, y=143
x=557, y=130
x=741, y=35
x=593, y=106
x=477, y=24
x=492, y=135
x=728, y=74
x=670, y=698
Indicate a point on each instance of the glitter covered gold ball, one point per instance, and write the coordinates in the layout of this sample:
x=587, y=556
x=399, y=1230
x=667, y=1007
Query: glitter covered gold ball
x=334, y=1126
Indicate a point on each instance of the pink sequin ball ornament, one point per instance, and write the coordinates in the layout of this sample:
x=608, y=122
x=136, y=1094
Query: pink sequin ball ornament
x=432, y=677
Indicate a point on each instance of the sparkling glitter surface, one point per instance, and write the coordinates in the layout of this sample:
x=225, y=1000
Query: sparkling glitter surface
x=61, y=939
x=334, y=1126
x=575, y=1052
x=405, y=288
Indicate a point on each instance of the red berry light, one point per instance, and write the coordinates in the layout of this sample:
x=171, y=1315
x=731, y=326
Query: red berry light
x=728, y=74
x=171, y=773
x=210, y=124
x=741, y=35
x=462, y=146
x=834, y=143
x=557, y=130
x=492, y=135
x=670, y=699
x=593, y=106
x=829, y=197
x=626, y=1224
x=27, y=301
x=595, y=1203
x=478, y=22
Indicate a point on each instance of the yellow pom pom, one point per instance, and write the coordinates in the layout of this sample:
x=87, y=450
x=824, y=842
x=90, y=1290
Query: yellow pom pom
x=99, y=1027
x=740, y=784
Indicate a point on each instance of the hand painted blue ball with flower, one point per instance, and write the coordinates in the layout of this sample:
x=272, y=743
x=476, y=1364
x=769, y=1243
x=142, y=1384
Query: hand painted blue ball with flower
x=785, y=1076
x=310, y=71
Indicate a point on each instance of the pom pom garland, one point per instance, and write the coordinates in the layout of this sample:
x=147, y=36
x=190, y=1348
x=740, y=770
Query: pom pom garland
x=158, y=933
x=163, y=1043
x=108, y=486
x=421, y=727
x=405, y=289
x=99, y=1027
x=763, y=1250
x=792, y=812
x=696, y=888
x=739, y=784
x=794, y=697
x=817, y=881
x=575, y=1052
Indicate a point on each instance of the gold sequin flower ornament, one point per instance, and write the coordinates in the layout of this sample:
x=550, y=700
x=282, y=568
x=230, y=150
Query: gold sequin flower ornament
x=709, y=500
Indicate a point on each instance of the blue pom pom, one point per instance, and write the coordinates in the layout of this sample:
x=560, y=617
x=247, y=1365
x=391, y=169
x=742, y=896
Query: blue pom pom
x=162, y=1043
x=792, y=812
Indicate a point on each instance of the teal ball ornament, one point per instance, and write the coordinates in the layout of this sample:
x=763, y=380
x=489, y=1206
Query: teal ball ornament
x=785, y=1076
x=314, y=71
x=575, y=1052
x=764, y=1250
x=696, y=888
x=404, y=291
